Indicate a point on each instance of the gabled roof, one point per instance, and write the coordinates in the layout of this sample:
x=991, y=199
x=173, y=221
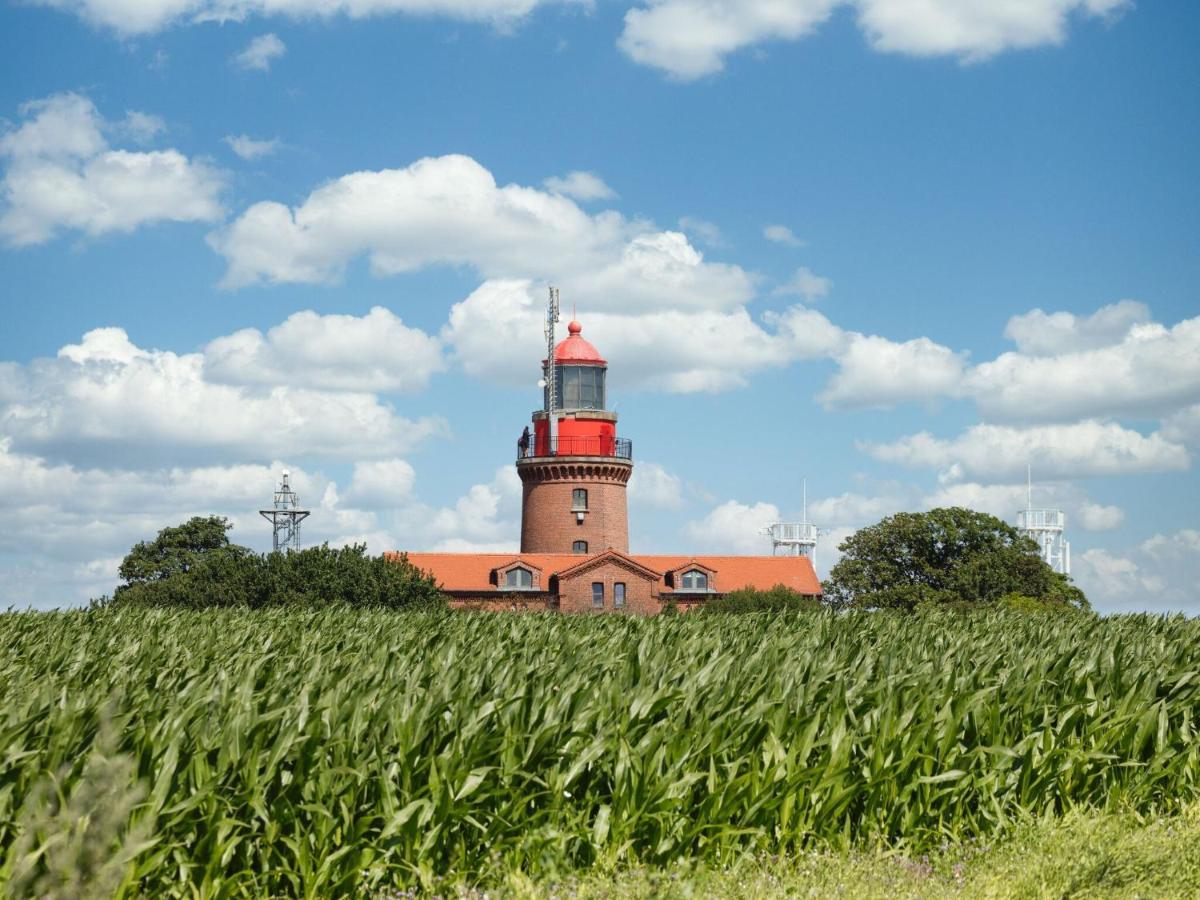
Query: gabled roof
x=692, y=563
x=472, y=571
x=759, y=572
x=610, y=555
x=518, y=560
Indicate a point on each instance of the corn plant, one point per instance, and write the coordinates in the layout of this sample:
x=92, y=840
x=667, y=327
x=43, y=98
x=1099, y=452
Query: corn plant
x=302, y=752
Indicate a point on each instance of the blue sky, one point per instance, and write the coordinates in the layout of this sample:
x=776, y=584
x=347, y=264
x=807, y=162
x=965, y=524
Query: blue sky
x=898, y=248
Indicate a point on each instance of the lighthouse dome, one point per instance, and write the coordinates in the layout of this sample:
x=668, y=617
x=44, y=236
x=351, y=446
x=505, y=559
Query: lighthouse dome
x=575, y=350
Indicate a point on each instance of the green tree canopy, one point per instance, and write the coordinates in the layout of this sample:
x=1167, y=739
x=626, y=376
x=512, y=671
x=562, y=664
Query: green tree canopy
x=179, y=549
x=195, y=565
x=944, y=556
x=779, y=598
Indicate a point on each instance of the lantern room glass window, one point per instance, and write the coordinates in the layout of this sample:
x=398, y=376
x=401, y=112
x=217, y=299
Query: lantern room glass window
x=578, y=387
x=518, y=578
x=694, y=580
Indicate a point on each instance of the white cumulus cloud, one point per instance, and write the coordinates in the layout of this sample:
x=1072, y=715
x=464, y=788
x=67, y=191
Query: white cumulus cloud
x=260, y=53
x=1112, y=363
x=1038, y=333
x=381, y=483
x=375, y=352
x=875, y=372
x=733, y=527
x=688, y=39
x=1098, y=517
x=495, y=334
x=132, y=17
x=805, y=283
x=1159, y=574
x=450, y=211
x=61, y=174
x=250, y=149
x=781, y=234
x=580, y=185
x=653, y=486
x=107, y=401
x=998, y=452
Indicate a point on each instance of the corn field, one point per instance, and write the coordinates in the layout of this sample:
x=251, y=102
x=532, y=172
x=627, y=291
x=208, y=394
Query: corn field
x=316, y=753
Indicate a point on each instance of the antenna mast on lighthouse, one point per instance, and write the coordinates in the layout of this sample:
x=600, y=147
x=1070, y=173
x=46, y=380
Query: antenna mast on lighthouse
x=551, y=374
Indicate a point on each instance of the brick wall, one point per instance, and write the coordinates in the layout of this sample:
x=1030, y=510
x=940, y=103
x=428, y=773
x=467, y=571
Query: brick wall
x=549, y=524
x=641, y=593
x=503, y=601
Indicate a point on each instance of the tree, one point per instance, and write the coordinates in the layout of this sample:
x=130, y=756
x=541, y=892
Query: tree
x=178, y=550
x=195, y=565
x=779, y=598
x=943, y=557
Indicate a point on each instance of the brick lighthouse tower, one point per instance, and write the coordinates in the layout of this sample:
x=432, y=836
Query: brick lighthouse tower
x=573, y=467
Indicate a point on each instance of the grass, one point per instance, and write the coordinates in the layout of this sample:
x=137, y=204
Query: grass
x=286, y=752
x=1084, y=854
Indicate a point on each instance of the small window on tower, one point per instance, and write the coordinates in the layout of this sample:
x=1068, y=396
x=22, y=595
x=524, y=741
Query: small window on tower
x=579, y=547
x=518, y=578
x=597, y=595
x=579, y=499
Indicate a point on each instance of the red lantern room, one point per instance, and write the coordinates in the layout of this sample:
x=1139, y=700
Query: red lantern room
x=574, y=474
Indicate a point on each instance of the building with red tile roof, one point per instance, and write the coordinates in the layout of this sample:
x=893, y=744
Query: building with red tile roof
x=574, y=521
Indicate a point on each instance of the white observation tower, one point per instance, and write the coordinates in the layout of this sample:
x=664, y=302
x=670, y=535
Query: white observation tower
x=1047, y=527
x=794, y=538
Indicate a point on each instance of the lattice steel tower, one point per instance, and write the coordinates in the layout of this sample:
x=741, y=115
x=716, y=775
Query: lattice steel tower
x=285, y=517
x=1047, y=527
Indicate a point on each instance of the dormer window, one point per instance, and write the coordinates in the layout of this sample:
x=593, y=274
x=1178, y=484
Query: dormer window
x=519, y=578
x=693, y=580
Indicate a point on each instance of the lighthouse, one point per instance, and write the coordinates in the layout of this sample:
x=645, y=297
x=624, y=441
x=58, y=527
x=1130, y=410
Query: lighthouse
x=574, y=468
x=574, y=558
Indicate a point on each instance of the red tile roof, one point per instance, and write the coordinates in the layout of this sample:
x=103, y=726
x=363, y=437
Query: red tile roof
x=733, y=572
x=472, y=571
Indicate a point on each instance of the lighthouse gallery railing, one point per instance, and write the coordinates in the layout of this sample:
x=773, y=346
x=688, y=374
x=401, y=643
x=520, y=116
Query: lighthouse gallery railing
x=570, y=445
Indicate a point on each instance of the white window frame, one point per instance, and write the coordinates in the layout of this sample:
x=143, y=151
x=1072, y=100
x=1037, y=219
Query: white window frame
x=509, y=586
